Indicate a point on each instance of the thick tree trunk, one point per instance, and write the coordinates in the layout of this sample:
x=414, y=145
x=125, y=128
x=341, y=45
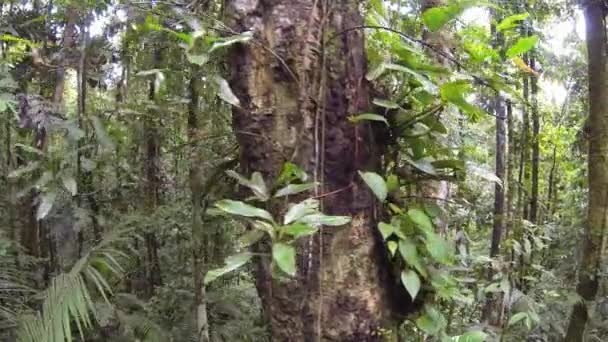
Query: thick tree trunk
x=597, y=212
x=298, y=82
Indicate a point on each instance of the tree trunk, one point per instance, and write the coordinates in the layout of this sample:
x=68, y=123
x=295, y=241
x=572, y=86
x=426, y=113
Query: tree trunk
x=152, y=182
x=199, y=236
x=535, y=144
x=595, y=235
x=298, y=82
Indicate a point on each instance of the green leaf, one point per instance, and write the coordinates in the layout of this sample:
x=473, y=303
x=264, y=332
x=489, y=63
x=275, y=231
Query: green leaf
x=30, y=149
x=455, y=92
x=232, y=263
x=431, y=322
x=522, y=46
x=291, y=172
x=427, y=85
x=471, y=336
x=242, y=209
x=392, y=247
x=299, y=210
x=298, y=230
x=423, y=165
x=435, y=18
x=392, y=183
x=320, y=219
x=409, y=252
x=101, y=134
x=385, y=103
x=367, y=117
x=256, y=184
x=386, y=230
x=285, y=257
x=421, y=219
x=33, y=166
x=250, y=238
x=293, y=189
x=225, y=93
x=47, y=200
x=438, y=248
x=199, y=59
x=511, y=21
x=517, y=318
x=69, y=183
x=481, y=172
x=411, y=281
x=455, y=164
x=224, y=42
x=376, y=184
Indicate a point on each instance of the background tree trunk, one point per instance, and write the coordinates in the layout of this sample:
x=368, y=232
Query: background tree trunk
x=298, y=82
x=597, y=211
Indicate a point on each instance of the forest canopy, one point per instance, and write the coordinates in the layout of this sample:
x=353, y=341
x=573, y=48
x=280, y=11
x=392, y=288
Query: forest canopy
x=311, y=170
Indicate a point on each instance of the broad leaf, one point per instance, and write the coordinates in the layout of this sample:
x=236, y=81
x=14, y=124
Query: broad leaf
x=431, y=322
x=33, y=166
x=298, y=230
x=435, y=18
x=421, y=219
x=385, y=103
x=250, y=238
x=299, y=210
x=224, y=42
x=69, y=183
x=225, y=93
x=438, y=248
x=256, y=184
x=522, y=46
x=386, y=230
x=199, y=59
x=101, y=134
x=455, y=93
x=376, y=183
x=392, y=247
x=511, y=21
x=232, y=263
x=320, y=219
x=285, y=257
x=517, y=318
x=411, y=281
x=471, y=336
x=242, y=209
x=293, y=189
x=409, y=253
x=481, y=172
x=368, y=117
x=47, y=200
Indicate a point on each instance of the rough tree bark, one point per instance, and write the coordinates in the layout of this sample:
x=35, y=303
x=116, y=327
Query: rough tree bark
x=298, y=82
x=597, y=211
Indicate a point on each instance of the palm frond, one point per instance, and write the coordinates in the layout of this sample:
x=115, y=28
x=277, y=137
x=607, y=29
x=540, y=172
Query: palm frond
x=67, y=302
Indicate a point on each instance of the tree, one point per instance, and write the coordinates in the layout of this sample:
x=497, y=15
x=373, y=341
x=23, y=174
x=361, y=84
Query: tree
x=594, y=238
x=298, y=83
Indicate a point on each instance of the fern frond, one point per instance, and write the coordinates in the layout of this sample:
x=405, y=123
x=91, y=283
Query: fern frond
x=67, y=301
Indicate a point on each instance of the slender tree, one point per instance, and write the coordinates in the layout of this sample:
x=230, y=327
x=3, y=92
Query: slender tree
x=594, y=238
